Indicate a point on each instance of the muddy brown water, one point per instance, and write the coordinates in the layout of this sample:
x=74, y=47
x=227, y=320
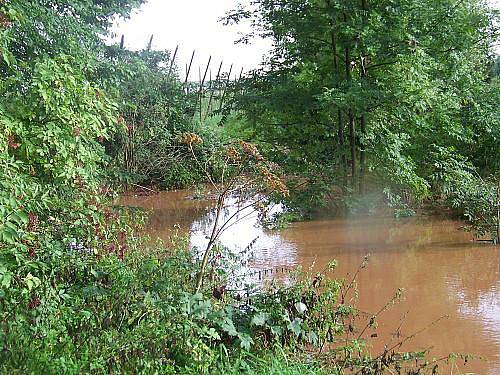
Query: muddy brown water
x=442, y=271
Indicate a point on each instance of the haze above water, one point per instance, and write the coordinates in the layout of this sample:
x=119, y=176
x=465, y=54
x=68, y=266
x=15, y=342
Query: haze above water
x=442, y=271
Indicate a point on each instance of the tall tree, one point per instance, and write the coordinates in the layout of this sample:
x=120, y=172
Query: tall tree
x=406, y=71
x=50, y=28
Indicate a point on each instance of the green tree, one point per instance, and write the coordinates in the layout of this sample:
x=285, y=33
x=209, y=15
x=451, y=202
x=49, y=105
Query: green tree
x=157, y=108
x=47, y=28
x=53, y=121
x=370, y=85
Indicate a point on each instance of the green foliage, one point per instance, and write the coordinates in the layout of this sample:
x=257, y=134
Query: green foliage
x=358, y=90
x=53, y=27
x=395, y=201
x=457, y=182
x=281, y=220
x=53, y=210
x=80, y=291
x=54, y=127
x=106, y=315
x=157, y=107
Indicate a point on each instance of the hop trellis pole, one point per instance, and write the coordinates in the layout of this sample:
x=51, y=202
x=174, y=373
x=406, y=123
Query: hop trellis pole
x=172, y=61
x=212, y=89
x=225, y=88
x=202, y=83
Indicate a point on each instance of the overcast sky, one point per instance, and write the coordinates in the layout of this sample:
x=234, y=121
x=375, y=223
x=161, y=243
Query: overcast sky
x=192, y=24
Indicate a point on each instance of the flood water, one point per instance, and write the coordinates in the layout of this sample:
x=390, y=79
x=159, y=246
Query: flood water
x=442, y=271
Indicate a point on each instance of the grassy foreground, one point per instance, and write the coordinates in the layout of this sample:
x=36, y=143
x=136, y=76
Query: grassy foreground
x=102, y=314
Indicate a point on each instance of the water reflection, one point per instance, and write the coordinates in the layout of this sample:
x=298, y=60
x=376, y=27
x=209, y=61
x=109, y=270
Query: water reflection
x=441, y=270
x=270, y=249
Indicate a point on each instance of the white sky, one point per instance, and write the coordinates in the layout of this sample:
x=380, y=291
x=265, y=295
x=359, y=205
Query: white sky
x=193, y=24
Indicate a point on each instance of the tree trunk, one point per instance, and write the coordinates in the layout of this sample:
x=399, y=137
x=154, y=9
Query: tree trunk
x=352, y=132
x=341, y=140
x=362, y=156
x=340, y=125
x=352, y=136
x=362, y=152
x=498, y=213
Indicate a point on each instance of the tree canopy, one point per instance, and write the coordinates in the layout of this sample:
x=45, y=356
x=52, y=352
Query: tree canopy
x=376, y=86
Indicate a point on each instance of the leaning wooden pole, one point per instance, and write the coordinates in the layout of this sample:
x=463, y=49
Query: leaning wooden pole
x=188, y=70
x=150, y=43
x=202, y=83
x=237, y=83
x=209, y=88
x=172, y=61
x=205, y=74
x=213, y=89
x=241, y=75
x=225, y=88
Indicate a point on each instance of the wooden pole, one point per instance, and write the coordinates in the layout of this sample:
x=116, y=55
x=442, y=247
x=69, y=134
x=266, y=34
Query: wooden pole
x=172, y=61
x=200, y=92
x=210, y=84
x=213, y=89
x=225, y=88
x=150, y=43
x=199, y=84
x=205, y=74
x=189, y=67
x=237, y=81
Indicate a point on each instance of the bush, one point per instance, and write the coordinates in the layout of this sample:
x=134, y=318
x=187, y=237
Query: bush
x=457, y=183
x=140, y=315
x=157, y=107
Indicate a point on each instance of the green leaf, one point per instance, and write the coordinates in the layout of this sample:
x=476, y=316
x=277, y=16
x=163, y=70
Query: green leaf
x=6, y=279
x=245, y=341
x=32, y=282
x=260, y=319
x=295, y=326
x=227, y=326
x=213, y=334
x=300, y=307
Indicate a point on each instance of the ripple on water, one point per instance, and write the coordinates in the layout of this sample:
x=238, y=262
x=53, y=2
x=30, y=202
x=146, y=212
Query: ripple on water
x=442, y=271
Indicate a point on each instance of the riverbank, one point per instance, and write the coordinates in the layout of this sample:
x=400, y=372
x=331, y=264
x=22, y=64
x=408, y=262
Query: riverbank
x=139, y=314
x=443, y=272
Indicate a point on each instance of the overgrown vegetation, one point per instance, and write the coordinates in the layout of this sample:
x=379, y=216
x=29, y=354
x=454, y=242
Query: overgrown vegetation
x=157, y=108
x=81, y=291
x=360, y=95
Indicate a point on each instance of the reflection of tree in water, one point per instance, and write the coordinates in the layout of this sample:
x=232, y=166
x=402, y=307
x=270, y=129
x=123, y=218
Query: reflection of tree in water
x=477, y=287
x=440, y=269
x=197, y=216
x=169, y=212
x=269, y=249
